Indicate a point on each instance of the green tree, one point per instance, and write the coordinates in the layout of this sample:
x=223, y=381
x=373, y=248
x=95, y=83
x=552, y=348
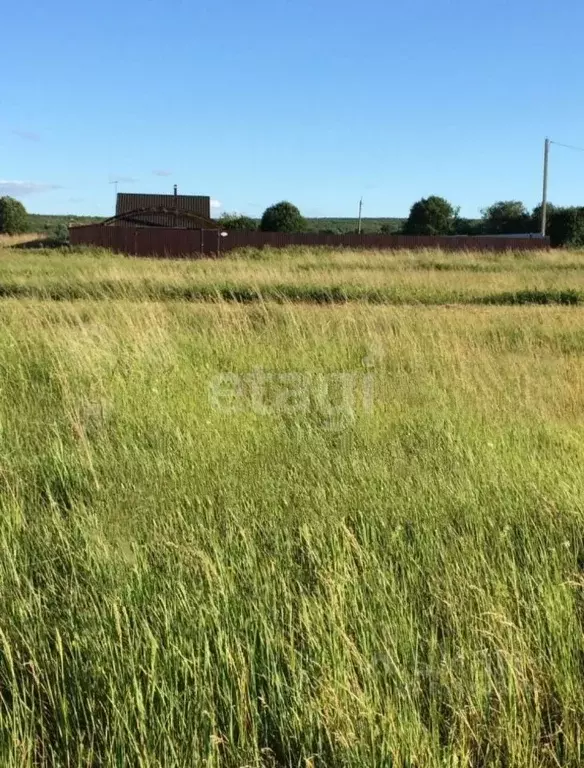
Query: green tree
x=506, y=217
x=282, y=217
x=536, y=217
x=13, y=216
x=467, y=226
x=234, y=221
x=388, y=229
x=431, y=216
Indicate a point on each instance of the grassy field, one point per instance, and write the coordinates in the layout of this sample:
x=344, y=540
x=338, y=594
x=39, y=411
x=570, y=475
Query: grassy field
x=9, y=241
x=303, y=275
x=339, y=523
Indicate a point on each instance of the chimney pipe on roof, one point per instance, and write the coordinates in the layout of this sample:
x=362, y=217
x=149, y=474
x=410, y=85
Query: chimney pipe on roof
x=175, y=191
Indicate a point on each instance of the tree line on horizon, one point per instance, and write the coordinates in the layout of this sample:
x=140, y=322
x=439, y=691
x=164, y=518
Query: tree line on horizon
x=15, y=220
x=432, y=215
x=435, y=215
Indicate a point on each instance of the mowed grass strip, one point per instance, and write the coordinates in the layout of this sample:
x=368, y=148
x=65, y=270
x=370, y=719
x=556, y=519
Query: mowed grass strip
x=265, y=580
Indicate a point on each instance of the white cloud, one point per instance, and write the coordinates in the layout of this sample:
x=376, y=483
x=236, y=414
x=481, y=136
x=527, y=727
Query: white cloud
x=22, y=188
x=162, y=173
x=27, y=135
x=215, y=204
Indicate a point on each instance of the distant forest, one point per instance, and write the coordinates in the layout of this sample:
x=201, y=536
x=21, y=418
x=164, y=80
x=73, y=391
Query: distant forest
x=341, y=226
x=38, y=222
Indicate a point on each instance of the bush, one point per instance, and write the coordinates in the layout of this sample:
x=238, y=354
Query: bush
x=13, y=216
x=467, y=227
x=60, y=234
x=232, y=221
x=566, y=227
x=282, y=217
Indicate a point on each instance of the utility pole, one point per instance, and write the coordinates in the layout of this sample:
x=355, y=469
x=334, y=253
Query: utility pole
x=360, y=211
x=546, y=157
x=115, y=183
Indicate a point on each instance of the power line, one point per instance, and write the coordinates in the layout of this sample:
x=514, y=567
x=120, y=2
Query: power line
x=567, y=146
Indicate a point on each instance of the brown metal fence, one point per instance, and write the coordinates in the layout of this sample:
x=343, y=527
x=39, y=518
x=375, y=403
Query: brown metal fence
x=185, y=243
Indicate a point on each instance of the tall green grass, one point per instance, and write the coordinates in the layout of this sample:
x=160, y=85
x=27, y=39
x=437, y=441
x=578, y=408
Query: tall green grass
x=182, y=585
x=300, y=275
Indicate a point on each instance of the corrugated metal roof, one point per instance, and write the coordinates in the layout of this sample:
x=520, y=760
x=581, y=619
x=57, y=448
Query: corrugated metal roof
x=195, y=204
x=161, y=217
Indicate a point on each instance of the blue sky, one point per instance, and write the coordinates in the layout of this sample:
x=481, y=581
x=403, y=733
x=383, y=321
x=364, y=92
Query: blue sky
x=318, y=102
